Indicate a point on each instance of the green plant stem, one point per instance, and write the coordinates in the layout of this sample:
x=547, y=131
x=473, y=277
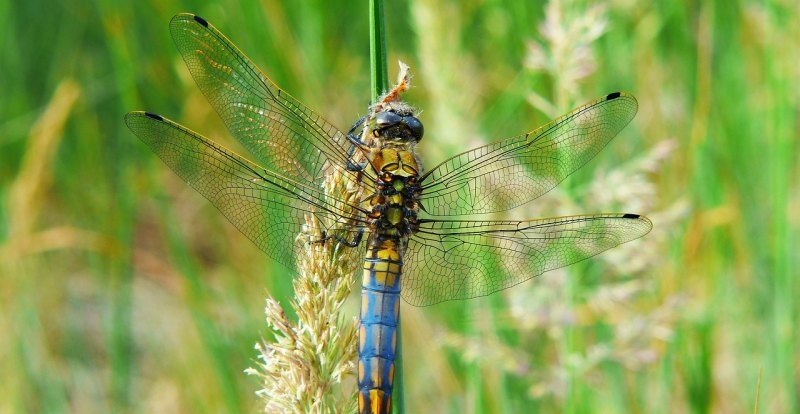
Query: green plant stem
x=377, y=49
x=379, y=84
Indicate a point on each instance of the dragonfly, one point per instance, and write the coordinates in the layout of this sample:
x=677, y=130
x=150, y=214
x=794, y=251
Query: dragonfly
x=408, y=222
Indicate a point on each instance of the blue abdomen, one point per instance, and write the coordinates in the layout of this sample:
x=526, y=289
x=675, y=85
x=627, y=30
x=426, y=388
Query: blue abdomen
x=377, y=335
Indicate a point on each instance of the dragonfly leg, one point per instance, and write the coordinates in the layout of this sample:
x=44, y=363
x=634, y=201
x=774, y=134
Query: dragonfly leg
x=351, y=166
x=359, y=122
x=355, y=143
x=349, y=243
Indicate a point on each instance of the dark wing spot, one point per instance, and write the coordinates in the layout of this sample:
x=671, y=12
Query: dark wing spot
x=611, y=96
x=201, y=20
x=630, y=216
x=154, y=116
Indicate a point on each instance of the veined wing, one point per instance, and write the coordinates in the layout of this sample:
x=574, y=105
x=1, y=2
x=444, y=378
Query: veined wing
x=268, y=208
x=506, y=174
x=277, y=129
x=449, y=260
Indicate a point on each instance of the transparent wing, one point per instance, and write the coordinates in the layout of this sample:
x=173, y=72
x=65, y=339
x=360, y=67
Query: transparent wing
x=506, y=174
x=448, y=260
x=268, y=208
x=278, y=130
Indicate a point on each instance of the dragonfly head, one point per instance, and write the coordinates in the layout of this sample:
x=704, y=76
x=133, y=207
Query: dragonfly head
x=397, y=123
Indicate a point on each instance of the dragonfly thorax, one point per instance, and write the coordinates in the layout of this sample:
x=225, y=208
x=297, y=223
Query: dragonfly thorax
x=389, y=139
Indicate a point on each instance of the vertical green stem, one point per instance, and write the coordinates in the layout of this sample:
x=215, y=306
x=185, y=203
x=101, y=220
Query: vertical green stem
x=377, y=49
x=379, y=84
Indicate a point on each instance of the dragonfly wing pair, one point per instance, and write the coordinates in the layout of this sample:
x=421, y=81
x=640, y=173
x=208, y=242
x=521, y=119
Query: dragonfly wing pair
x=476, y=258
x=267, y=207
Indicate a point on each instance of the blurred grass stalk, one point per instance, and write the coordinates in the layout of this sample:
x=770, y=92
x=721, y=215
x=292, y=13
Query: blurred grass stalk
x=566, y=55
x=24, y=240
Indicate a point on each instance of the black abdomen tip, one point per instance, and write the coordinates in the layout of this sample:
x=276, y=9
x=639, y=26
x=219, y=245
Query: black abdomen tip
x=200, y=20
x=154, y=116
x=630, y=216
x=614, y=95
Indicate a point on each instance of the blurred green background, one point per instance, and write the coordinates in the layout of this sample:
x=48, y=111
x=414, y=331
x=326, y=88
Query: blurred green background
x=122, y=290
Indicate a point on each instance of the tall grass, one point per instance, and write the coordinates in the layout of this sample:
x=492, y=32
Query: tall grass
x=123, y=291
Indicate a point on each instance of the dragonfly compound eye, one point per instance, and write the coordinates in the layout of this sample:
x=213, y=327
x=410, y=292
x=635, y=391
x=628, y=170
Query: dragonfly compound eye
x=384, y=119
x=413, y=124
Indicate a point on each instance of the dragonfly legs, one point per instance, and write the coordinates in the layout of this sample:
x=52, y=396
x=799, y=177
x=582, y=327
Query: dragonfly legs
x=351, y=133
x=349, y=243
x=355, y=142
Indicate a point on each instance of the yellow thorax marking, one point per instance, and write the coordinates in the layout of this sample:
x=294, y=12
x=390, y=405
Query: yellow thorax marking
x=400, y=162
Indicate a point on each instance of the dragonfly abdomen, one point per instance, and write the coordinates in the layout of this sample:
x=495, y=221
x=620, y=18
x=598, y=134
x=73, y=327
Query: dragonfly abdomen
x=380, y=309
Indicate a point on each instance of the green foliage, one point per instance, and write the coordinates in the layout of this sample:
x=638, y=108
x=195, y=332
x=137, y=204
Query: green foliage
x=121, y=290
